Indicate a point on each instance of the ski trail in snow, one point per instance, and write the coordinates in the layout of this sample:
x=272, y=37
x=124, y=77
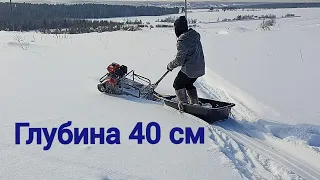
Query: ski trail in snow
x=250, y=155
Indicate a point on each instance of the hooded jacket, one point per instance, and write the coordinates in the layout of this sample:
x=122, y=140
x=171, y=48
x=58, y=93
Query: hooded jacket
x=189, y=54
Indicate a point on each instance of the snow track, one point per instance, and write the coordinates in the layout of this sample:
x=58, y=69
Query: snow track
x=251, y=156
x=250, y=160
x=241, y=135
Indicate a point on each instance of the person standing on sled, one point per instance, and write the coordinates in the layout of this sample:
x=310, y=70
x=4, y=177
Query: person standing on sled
x=191, y=59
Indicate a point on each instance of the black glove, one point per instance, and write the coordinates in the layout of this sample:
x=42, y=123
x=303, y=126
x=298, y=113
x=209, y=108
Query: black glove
x=169, y=68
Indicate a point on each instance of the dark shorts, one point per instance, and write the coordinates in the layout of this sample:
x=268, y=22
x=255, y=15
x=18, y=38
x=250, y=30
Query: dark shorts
x=183, y=81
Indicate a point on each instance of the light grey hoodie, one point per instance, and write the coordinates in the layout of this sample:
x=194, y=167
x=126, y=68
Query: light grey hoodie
x=189, y=55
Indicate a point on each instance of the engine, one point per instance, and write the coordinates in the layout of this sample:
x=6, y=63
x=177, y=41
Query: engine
x=117, y=70
x=110, y=82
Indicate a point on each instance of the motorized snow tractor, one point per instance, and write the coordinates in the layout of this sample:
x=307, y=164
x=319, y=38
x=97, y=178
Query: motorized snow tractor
x=119, y=81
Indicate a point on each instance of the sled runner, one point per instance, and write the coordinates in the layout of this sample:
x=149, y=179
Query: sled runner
x=118, y=81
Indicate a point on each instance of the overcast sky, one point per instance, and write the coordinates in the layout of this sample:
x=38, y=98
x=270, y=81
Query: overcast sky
x=161, y=0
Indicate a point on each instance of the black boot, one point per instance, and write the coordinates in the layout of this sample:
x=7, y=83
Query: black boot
x=193, y=96
x=182, y=98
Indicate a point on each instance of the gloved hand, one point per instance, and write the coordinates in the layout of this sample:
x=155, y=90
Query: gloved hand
x=169, y=68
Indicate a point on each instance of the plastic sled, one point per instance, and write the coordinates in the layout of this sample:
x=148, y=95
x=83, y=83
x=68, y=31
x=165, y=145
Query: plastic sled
x=209, y=111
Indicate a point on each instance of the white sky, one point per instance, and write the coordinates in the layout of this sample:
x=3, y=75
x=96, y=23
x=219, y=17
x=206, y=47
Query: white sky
x=162, y=0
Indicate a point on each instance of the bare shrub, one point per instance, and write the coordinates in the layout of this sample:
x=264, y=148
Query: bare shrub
x=172, y=19
x=131, y=27
x=20, y=41
x=266, y=24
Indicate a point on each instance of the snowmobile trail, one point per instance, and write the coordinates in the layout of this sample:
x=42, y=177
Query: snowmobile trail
x=232, y=128
x=251, y=162
x=251, y=156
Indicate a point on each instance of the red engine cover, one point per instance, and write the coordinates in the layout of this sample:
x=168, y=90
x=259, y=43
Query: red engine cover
x=110, y=82
x=113, y=67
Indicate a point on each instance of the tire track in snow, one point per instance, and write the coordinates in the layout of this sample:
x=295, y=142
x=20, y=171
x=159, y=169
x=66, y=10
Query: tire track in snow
x=256, y=160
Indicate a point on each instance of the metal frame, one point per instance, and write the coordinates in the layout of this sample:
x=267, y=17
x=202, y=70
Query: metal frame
x=102, y=78
x=133, y=77
x=142, y=78
x=185, y=9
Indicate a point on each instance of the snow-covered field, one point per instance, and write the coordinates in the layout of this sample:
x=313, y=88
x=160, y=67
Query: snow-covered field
x=271, y=76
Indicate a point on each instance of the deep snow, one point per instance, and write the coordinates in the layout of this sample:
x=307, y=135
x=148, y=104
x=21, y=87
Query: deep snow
x=271, y=76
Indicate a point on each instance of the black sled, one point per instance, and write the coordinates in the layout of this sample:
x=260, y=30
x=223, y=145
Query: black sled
x=209, y=110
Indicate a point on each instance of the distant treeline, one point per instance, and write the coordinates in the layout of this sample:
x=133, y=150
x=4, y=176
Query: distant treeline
x=259, y=6
x=27, y=16
x=284, y=5
x=74, y=26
